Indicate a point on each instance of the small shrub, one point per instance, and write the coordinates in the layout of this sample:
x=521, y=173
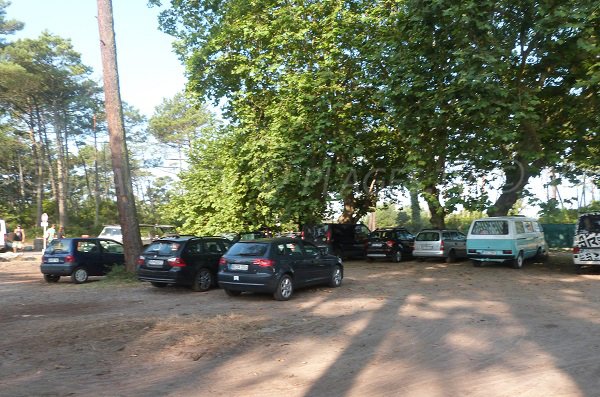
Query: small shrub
x=119, y=275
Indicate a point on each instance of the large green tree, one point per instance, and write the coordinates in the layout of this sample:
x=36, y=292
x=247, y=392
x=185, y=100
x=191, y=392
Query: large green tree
x=302, y=111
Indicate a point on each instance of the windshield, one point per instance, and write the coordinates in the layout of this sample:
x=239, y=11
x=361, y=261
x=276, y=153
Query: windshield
x=57, y=246
x=248, y=249
x=111, y=231
x=589, y=223
x=428, y=236
x=490, y=227
x=163, y=248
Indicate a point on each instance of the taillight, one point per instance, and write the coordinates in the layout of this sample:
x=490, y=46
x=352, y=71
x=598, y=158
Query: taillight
x=328, y=236
x=390, y=243
x=576, y=250
x=442, y=245
x=140, y=260
x=222, y=261
x=176, y=262
x=507, y=252
x=302, y=235
x=263, y=262
x=69, y=258
x=472, y=251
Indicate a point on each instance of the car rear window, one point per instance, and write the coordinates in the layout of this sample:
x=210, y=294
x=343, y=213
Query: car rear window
x=58, y=246
x=490, y=227
x=248, y=249
x=589, y=223
x=428, y=236
x=383, y=234
x=163, y=248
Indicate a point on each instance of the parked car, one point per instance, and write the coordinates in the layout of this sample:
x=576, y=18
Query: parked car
x=345, y=240
x=148, y=232
x=277, y=266
x=586, y=242
x=435, y=243
x=80, y=258
x=391, y=243
x=511, y=239
x=182, y=260
x=3, y=247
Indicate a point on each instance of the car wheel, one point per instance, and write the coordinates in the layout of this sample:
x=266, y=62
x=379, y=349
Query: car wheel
x=397, y=258
x=540, y=255
x=336, y=277
x=230, y=292
x=285, y=288
x=79, y=275
x=51, y=278
x=518, y=262
x=451, y=257
x=477, y=263
x=203, y=280
x=158, y=285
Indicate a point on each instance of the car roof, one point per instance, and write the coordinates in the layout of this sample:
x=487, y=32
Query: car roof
x=187, y=237
x=270, y=240
x=440, y=230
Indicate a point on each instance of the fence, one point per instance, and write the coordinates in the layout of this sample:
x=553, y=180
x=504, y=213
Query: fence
x=559, y=235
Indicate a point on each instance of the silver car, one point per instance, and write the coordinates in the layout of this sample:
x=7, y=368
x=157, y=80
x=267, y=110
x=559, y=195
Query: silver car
x=435, y=243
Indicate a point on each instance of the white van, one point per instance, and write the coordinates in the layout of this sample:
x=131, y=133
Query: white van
x=586, y=242
x=506, y=239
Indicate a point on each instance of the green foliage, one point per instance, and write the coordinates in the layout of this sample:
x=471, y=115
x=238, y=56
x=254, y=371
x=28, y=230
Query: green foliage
x=461, y=220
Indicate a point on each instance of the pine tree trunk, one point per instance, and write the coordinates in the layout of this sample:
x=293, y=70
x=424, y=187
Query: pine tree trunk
x=116, y=130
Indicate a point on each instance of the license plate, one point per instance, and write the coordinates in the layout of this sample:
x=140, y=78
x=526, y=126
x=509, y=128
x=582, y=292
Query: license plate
x=155, y=262
x=376, y=245
x=427, y=247
x=53, y=260
x=488, y=252
x=237, y=266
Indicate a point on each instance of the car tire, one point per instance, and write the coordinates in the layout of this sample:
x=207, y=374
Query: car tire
x=336, y=277
x=397, y=257
x=477, y=263
x=231, y=292
x=518, y=261
x=285, y=288
x=203, y=280
x=51, y=278
x=79, y=275
x=540, y=255
x=451, y=258
x=158, y=285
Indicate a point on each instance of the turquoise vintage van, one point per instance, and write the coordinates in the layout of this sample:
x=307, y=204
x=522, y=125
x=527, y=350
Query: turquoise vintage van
x=509, y=239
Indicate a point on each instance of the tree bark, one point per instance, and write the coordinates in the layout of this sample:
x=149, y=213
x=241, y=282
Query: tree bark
x=431, y=195
x=114, y=113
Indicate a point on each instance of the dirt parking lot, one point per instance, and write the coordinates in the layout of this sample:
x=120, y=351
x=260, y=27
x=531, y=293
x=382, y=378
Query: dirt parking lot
x=408, y=329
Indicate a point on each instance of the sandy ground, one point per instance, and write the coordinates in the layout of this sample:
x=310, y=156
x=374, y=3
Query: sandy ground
x=408, y=329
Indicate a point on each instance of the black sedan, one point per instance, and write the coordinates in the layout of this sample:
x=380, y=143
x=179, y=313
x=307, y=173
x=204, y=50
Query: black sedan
x=80, y=258
x=277, y=266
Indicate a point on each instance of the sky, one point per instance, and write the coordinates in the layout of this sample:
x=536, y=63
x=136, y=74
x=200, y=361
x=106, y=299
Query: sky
x=148, y=68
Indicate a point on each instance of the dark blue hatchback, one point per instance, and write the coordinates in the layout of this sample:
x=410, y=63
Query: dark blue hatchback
x=277, y=266
x=80, y=258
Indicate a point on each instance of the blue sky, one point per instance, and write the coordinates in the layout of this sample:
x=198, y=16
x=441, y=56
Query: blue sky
x=148, y=69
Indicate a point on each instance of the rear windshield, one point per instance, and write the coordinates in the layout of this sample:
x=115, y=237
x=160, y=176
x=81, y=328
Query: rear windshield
x=248, y=249
x=589, y=223
x=428, y=236
x=163, y=248
x=490, y=227
x=383, y=234
x=111, y=231
x=57, y=246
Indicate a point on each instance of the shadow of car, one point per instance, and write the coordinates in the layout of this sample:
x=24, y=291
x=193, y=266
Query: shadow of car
x=80, y=258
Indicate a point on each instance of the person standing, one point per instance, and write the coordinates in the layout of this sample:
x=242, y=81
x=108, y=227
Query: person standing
x=50, y=234
x=18, y=239
x=61, y=232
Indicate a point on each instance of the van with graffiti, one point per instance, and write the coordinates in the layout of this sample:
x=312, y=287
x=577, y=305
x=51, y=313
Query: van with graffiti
x=586, y=243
